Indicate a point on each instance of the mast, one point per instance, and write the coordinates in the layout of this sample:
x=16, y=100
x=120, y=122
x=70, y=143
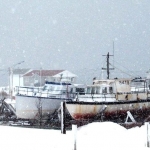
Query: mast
x=108, y=68
x=113, y=52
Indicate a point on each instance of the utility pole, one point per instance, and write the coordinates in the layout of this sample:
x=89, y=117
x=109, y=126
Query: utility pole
x=40, y=76
x=10, y=82
x=11, y=78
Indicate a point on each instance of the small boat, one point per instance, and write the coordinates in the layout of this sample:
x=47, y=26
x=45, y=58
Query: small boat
x=111, y=99
x=31, y=101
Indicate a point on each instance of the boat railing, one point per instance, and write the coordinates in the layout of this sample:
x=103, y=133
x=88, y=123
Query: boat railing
x=38, y=92
x=98, y=95
x=29, y=91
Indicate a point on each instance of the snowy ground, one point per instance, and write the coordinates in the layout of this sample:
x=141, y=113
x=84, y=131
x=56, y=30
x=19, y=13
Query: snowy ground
x=94, y=136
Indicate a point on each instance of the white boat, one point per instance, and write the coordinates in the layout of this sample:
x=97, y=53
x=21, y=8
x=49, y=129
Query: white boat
x=111, y=99
x=30, y=101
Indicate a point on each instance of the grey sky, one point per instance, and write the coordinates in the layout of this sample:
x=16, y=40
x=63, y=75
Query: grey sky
x=73, y=35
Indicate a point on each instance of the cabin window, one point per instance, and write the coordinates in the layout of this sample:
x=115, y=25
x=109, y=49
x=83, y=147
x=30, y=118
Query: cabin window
x=88, y=90
x=93, y=90
x=110, y=90
x=63, y=91
x=98, y=90
x=59, y=88
x=80, y=90
x=104, y=90
x=51, y=88
x=71, y=90
x=45, y=88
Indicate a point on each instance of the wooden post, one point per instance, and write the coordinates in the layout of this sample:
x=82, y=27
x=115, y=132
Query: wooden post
x=63, y=127
x=147, y=134
x=40, y=112
x=74, y=130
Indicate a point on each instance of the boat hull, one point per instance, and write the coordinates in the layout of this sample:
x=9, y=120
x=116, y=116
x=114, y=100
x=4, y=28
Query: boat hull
x=29, y=107
x=109, y=111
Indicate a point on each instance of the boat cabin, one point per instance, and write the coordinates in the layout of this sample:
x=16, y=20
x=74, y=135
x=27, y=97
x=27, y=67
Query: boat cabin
x=139, y=85
x=109, y=86
x=51, y=89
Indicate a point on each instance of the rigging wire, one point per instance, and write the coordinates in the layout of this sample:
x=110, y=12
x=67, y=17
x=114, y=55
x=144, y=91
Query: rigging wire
x=127, y=69
x=122, y=71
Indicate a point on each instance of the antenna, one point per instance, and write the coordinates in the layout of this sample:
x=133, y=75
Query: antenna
x=113, y=52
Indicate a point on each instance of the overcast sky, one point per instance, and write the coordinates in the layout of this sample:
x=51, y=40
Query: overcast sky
x=73, y=35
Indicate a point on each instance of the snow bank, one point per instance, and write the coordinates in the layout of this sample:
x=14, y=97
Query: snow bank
x=94, y=136
x=15, y=138
x=108, y=135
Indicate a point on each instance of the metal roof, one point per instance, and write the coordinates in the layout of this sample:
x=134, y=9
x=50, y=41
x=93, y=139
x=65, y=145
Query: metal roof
x=43, y=72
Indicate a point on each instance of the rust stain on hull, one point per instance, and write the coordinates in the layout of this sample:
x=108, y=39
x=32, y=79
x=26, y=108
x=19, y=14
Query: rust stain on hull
x=79, y=116
x=117, y=113
x=118, y=116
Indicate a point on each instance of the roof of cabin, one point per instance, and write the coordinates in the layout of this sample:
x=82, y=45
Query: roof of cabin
x=43, y=72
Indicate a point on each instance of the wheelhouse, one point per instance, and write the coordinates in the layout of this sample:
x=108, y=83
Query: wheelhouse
x=100, y=89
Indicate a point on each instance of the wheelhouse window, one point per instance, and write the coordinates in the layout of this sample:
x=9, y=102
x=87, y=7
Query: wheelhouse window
x=93, y=90
x=71, y=90
x=98, y=90
x=104, y=90
x=80, y=90
x=45, y=88
x=88, y=90
x=110, y=90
